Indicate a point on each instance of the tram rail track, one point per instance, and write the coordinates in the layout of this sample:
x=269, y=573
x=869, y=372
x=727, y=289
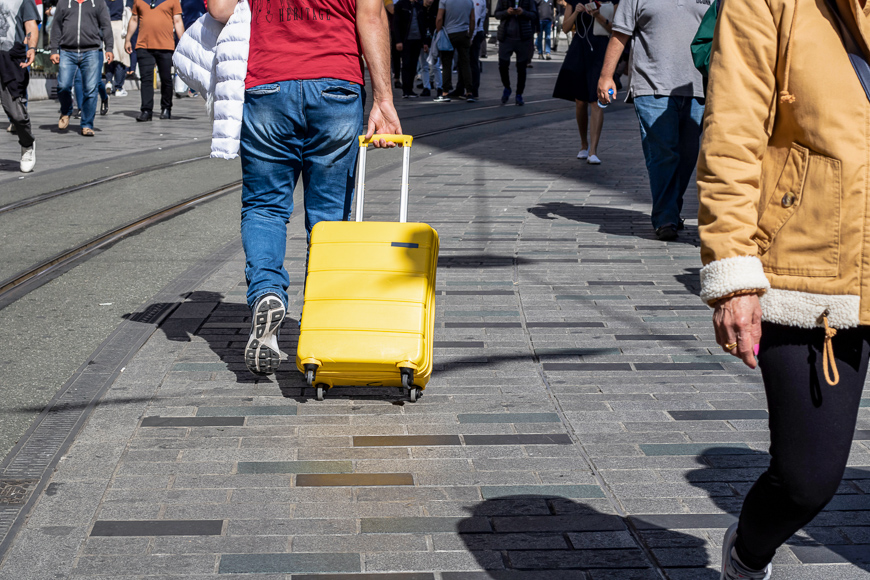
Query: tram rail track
x=34, y=276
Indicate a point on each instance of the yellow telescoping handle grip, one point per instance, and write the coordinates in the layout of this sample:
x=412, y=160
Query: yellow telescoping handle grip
x=403, y=140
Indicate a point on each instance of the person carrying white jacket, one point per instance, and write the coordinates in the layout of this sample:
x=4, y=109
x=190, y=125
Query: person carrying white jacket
x=302, y=114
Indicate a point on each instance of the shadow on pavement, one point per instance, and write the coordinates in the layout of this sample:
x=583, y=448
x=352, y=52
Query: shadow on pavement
x=610, y=220
x=561, y=539
x=729, y=472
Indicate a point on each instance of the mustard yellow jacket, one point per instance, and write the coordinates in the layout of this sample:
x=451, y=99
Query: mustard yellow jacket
x=783, y=172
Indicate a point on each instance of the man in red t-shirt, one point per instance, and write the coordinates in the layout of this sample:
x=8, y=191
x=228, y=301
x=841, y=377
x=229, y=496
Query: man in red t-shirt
x=303, y=112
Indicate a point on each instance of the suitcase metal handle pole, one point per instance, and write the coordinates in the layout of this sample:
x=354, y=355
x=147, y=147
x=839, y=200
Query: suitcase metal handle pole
x=405, y=141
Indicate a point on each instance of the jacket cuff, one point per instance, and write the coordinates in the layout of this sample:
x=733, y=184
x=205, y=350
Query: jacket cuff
x=730, y=275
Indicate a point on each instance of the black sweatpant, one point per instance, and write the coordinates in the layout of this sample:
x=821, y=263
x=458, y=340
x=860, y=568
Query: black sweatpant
x=811, y=430
x=147, y=59
x=410, y=56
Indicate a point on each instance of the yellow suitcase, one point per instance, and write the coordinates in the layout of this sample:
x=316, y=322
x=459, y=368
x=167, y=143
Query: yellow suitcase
x=369, y=312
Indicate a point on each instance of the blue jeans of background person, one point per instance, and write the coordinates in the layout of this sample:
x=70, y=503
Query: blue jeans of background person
x=116, y=72
x=544, y=35
x=425, y=71
x=290, y=129
x=78, y=87
x=90, y=64
x=670, y=131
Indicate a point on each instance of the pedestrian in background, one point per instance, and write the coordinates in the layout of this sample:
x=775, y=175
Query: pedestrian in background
x=546, y=12
x=19, y=35
x=427, y=72
x=581, y=69
x=456, y=19
x=783, y=222
x=155, y=21
x=116, y=71
x=516, y=32
x=668, y=94
x=412, y=37
x=477, y=42
x=78, y=32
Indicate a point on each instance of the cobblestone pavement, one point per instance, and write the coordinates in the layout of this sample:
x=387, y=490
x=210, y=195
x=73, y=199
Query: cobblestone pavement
x=581, y=422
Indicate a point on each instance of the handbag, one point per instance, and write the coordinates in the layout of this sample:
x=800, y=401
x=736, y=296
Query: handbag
x=858, y=60
x=442, y=41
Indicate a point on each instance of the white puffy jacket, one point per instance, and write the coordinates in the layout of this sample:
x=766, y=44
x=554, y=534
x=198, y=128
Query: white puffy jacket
x=212, y=58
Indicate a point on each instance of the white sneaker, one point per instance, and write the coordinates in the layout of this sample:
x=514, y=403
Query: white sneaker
x=28, y=158
x=262, y=355
x=584, y=154
x=121, y=92
x=732, y=567
x=593, y=160
x=109, y=87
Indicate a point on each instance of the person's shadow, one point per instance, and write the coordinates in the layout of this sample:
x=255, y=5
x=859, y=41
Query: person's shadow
x=610, y=220
x=567, y=539
x=838, y=535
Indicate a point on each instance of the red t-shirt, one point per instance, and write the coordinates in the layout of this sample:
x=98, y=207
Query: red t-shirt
x=303, y=39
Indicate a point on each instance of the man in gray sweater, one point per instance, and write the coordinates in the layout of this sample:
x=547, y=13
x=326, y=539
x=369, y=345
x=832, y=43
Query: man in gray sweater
x=80, y=28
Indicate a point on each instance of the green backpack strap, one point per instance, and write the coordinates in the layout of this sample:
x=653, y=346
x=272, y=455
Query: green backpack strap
x=702, y=44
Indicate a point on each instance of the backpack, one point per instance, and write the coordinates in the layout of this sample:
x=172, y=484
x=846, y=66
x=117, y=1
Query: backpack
x=702, y=44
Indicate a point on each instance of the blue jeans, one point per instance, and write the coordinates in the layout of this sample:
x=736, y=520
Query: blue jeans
x=670, y=131
x=78, y=87
x=294, y=128
x=544, y=35
x=90, y=64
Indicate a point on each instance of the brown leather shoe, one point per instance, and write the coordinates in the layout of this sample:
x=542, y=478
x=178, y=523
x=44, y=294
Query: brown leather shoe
x=87, y=132
x=63, y=123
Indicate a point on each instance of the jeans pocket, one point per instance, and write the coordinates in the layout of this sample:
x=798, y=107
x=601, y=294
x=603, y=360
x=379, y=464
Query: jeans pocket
x=263, y=89
x=340, y=93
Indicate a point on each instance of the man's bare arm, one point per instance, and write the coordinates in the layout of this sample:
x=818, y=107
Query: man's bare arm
x=221, y=10
x=439, y=20
x=374, y=37
x=179, y=25
x=611, y=58
x=31, y=30
x=131, y=30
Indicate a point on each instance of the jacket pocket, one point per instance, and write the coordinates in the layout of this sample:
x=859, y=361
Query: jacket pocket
x=264, y=89
x=799, y=228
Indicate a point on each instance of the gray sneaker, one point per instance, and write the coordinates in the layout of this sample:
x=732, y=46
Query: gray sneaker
x=262, y=355
x=732, y=568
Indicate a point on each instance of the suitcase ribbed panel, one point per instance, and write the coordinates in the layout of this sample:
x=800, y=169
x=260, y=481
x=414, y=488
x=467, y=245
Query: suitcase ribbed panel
x=369, y=302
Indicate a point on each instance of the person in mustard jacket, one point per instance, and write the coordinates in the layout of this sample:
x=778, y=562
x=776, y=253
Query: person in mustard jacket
x=784, y=222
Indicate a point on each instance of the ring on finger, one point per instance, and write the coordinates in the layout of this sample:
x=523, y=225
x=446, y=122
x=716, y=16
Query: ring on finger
x=729, y=347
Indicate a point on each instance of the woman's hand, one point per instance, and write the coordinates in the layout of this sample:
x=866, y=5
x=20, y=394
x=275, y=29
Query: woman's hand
x=737, y=321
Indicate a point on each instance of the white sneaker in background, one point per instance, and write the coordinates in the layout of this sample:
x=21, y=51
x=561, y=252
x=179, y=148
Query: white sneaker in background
x=28, y=158
x=584, y=154
x=593, y=160
x=121, y=92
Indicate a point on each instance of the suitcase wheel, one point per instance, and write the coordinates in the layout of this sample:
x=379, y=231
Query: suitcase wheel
x=320, y=390
x=415, y=393
x=310, y=374
x=408, y=383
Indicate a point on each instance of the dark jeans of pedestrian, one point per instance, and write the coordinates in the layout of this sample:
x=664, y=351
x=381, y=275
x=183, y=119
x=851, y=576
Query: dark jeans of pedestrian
x=524, y=51
x=670, y=133
x=116, y=72
x=410, y=55
x=811, y=429
x=461, y=48
x=474, y=62
x=16, y=109
x=147, y=59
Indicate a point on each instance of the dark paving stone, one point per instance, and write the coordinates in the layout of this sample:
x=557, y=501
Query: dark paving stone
x=546, y=439
x=572, y=491
x=616, y=261
x=288, y=563
x=718, y=415
x=602, y=247
x=508, y=418
x=513, y=575
x=478, y=292
x=249, y=467
x=424, y=525
x=589, y=367
x=656, y=449
x=582, y=559
x=353, y=479
x=682, y=521
x=855, y=554
x=193, y=422
x=672, y=308
x=565, y=325
x=572, y=523
x=483, y=325
x=386, y=576
x=252, y=411
x=678, y=366
x=158, y=528
x=618, y=283
x=861, y=435
x=655, y=337
x=405, y=440
x=458, y=344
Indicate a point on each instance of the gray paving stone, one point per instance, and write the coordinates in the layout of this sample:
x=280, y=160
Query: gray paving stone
x=288, y=563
